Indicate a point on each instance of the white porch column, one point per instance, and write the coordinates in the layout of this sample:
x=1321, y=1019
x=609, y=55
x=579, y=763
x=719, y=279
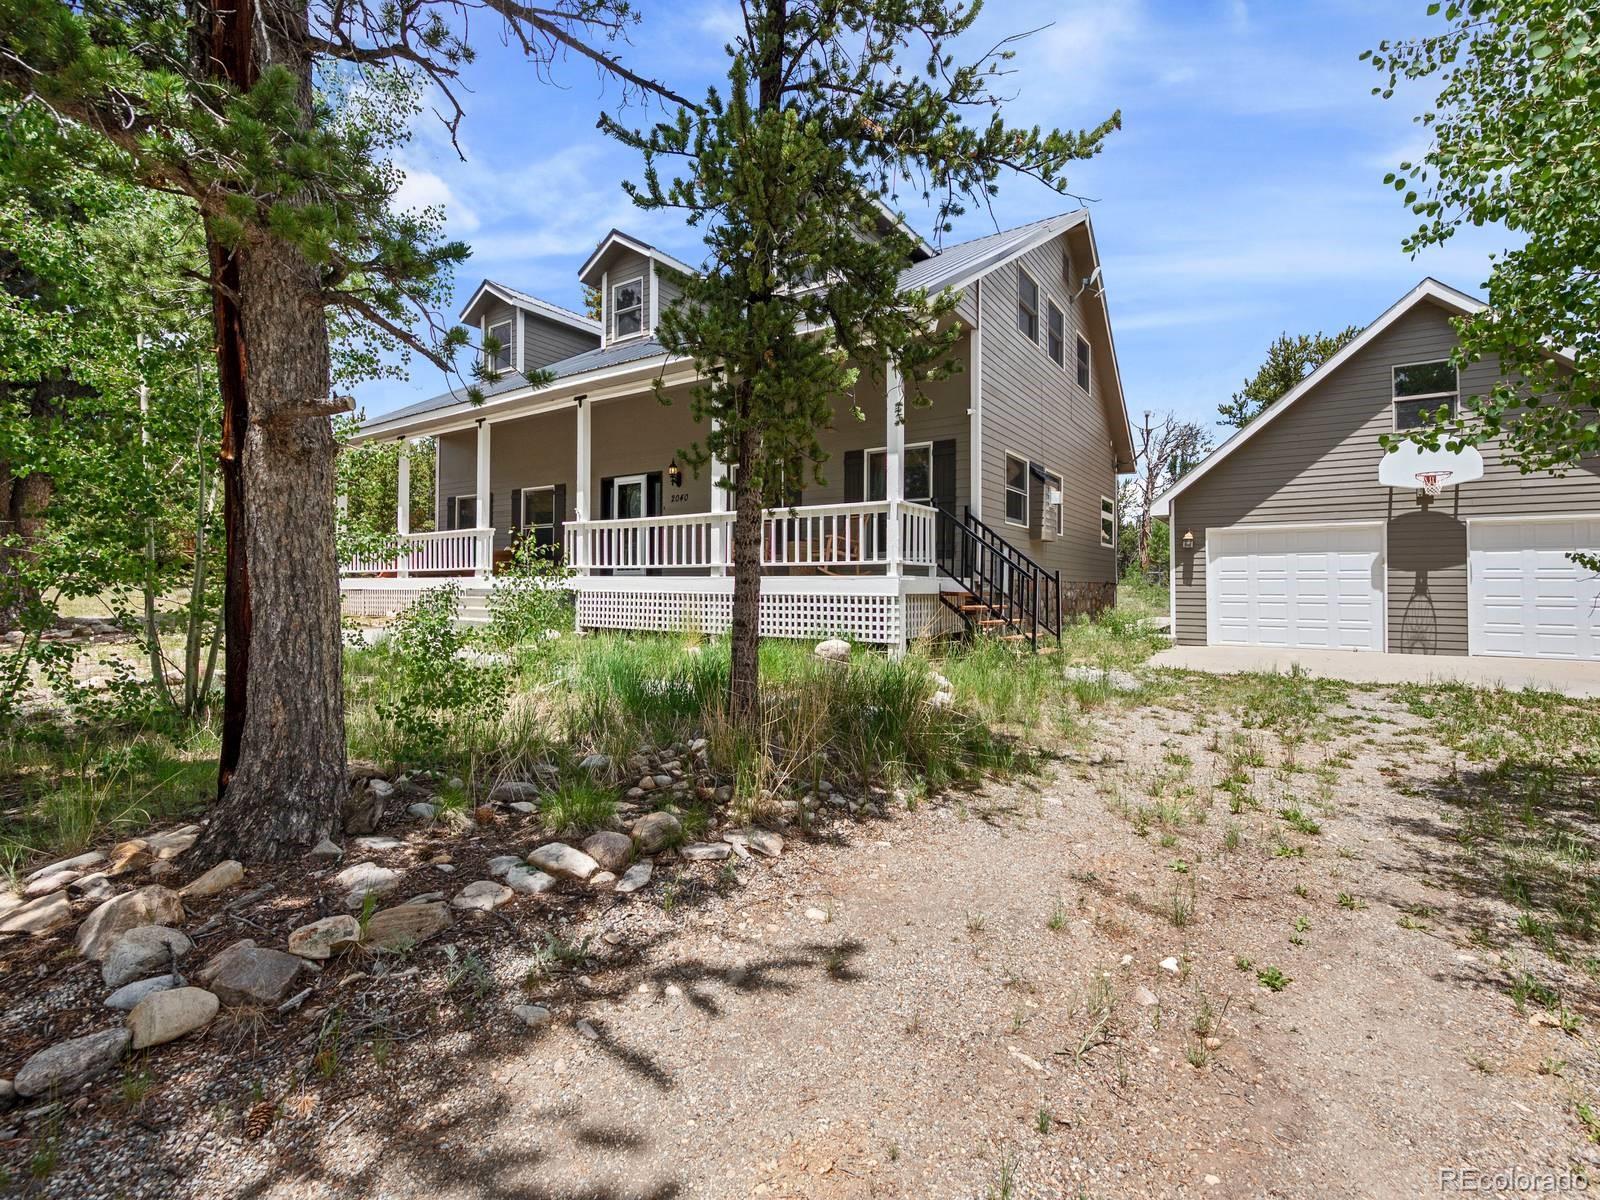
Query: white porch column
x=402, y=519
x=719, y=504
x=485, y=517
x=894, y=441
x=580, y=490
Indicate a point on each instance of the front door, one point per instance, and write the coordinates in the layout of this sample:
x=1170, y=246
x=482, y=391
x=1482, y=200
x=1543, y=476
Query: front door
x=628, y=501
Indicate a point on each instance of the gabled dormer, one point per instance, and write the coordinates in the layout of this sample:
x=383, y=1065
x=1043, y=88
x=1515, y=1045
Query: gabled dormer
x=532, y=333
x=633, y=286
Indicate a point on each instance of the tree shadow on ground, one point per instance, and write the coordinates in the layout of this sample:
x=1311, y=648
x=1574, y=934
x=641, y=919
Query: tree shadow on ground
x=1509, y=859
x=450, y=1119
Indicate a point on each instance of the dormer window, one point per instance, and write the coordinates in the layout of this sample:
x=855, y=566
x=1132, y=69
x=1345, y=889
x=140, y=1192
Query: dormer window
x=627, y=308
x=499, y=359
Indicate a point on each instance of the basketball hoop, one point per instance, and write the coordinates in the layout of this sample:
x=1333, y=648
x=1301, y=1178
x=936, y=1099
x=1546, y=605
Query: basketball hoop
x=1429, y=482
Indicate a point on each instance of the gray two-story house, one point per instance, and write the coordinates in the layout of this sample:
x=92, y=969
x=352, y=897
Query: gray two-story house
x=991, y=507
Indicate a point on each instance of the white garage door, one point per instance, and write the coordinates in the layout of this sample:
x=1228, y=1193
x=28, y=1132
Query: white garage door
x=1316, y=588
x=1527, y=599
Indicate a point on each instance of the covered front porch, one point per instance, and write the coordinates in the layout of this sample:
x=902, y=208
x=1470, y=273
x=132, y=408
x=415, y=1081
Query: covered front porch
x=600, y=480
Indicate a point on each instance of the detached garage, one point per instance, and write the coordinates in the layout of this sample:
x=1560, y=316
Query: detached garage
x=1285, y=536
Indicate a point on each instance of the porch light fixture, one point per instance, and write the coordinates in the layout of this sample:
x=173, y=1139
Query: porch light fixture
x=1188, y=539
x=674, y=472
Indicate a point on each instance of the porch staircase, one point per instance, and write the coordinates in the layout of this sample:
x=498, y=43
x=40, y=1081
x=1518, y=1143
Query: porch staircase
x=1002, y=592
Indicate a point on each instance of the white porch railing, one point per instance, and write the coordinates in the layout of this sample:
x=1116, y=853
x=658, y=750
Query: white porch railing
x=447, y=552
x=817, y=536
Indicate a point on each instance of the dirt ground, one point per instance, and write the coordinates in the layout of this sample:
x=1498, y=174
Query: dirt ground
x=967, y=999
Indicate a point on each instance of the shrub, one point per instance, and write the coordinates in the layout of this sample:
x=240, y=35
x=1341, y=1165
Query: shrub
x=528, y=601
x=437, y=698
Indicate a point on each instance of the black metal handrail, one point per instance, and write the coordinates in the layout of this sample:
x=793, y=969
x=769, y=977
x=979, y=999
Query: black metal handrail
x=1012, y=586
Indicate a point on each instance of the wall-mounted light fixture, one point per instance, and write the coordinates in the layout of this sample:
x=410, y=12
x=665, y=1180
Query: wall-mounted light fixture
x=674, y=472
x=1188, y=539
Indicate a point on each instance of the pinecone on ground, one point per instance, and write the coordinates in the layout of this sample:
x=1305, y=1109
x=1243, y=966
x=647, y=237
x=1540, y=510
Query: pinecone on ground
x=259, y=1119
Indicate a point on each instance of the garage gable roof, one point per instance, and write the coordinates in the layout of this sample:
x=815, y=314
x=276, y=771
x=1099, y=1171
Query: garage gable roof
x=1430, y=290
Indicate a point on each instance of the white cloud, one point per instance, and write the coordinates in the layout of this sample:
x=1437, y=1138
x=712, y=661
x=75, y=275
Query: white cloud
x=421, y=188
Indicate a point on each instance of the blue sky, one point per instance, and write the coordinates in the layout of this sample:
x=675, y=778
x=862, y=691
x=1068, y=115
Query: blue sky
x=1243, y=196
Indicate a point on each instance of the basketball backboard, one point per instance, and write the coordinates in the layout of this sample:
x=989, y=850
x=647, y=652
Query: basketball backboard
x=1416, y=469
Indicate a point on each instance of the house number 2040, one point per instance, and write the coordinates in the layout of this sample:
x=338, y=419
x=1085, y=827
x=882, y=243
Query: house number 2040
x=680, y=497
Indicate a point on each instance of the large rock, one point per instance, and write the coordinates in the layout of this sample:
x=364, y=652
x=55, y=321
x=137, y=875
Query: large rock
x=657, y=831
x=218, y=879
x=529, y=882
x=501, y=864
x=166, y=1016
x=223, y=957
x=405, y=925
x=613, y=851
x=512, y=792
x=762, y=841
x=364, y=805
x=255, y=975
x=78, y=862
x=152, y=905
x=39, y=917
x=131, y=855
x=53, y=882
x=321, y=939
x=833, y=650
x=362, y=878
x=129, y=994
x=65, y=1067
x=173, y=842
x=142, y=951
x=634, y=878
x=482, y=896
x=561, y=860
x=706, y=851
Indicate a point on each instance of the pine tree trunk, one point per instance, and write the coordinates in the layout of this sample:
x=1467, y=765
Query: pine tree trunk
x=744, y=682
x=283, y=757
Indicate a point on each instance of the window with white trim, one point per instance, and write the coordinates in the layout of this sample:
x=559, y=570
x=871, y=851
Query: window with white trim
x=917, y=472
x=1423, y=391
x=1054, y=515
x=1027, y=305
x=1083, y=362
x=498, y=359
x=627, y=308
x=1108, y=522
x=539, y=514
x=1016, y=490
x=1056, y=327
x=461, y=512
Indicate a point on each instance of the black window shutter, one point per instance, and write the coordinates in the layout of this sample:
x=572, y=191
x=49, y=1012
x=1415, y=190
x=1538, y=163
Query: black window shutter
x=944, y=474
x=450, y=512
x=516, y=508
x=558, y=505
x=854, y=487
x=605, y=498
x=652, y=488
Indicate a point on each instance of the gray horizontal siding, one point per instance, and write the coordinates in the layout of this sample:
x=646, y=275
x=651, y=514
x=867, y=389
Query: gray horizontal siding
x=1036, y=410
x=545, y=341
x=1318, y=461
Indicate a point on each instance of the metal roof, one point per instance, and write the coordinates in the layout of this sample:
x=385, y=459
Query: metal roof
x=534, y=305
x=510, y=381
x=960, y=264
x=953, y=267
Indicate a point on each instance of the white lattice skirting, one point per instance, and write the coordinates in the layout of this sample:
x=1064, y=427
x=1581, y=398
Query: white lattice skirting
x=878, y=614
x=385, y=601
